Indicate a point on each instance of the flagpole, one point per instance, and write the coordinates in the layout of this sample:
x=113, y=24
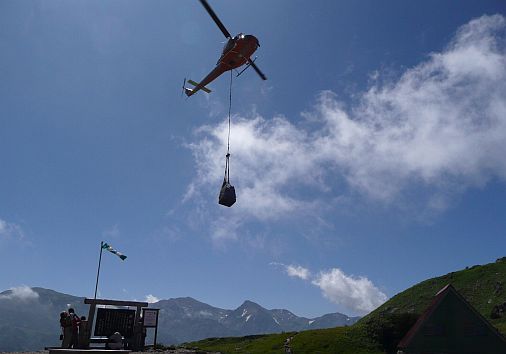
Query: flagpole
x=98, y=271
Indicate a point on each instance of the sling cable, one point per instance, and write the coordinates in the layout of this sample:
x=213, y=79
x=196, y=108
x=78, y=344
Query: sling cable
x=227, y=192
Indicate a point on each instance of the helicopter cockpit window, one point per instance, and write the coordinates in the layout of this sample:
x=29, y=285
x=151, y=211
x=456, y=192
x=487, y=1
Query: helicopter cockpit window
x=229, y=45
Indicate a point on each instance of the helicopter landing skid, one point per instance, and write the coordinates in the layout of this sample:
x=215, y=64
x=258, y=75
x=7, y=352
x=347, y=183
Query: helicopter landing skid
x=247, y=66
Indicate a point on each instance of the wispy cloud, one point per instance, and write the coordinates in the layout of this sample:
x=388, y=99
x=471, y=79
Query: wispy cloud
x=170, y=233
x=298, y=272
x=435, y=131
x=225, y=228
x=295, y=271
x=440, y=125
x=266, y=156
x=10, y=231
x=151, y=299
x=22, y=293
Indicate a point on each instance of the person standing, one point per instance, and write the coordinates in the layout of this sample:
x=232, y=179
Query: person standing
x=75, y=321
x=83, y=332
x=66, y=326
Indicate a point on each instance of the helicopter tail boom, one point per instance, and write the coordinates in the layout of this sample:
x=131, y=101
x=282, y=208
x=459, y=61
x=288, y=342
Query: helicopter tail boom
x=203, y=88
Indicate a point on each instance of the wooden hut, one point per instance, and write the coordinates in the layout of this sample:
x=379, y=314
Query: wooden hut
x=450, y=325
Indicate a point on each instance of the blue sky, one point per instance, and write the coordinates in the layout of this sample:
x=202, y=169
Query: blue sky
x=370, y=160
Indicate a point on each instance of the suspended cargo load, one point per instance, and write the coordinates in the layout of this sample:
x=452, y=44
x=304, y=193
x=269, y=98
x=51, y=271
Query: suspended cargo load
x=227, y=192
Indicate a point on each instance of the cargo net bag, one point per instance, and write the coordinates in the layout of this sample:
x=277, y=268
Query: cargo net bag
x=227, y=192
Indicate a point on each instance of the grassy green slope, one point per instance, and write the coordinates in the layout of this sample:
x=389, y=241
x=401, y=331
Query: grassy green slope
x=272, y=343
x=343, y=340
x=482, y=285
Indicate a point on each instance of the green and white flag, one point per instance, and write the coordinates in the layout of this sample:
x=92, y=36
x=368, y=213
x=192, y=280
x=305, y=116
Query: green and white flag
x=105, y=246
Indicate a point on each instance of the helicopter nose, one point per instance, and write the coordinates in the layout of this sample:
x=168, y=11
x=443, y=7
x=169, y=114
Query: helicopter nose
x=253, y=39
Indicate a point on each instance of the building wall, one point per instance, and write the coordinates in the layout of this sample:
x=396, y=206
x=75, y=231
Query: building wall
x=453, y=328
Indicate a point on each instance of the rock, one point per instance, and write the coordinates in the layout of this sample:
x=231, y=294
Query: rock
x=498, y=288
x=498, y=311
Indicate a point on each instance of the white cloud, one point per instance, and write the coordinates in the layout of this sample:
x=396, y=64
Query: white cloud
x=442, y=124
x=151, y=299
x=356, y=293
x=23, y=293
x=225, y=228
x=295, y=271
x=10, y=231
x=264, y=158
x=298, y=272
x=438, y=129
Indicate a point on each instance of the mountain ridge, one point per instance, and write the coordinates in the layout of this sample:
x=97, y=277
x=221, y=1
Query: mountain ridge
x=181, y=319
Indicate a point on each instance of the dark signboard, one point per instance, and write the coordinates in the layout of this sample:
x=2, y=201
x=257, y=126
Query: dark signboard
x=150, y=317
x=114, y=320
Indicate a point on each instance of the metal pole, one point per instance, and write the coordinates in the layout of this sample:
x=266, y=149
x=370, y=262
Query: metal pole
x=156, y=332
x=98, y=271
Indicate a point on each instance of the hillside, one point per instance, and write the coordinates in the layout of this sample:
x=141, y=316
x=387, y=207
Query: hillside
x=343, y=340
x=30, y=321
x=484, y=286
x=380, y=331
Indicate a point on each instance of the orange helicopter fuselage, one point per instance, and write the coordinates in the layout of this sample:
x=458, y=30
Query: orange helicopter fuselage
x=236, y=52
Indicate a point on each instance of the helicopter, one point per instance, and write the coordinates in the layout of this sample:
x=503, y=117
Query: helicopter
x=236, y=52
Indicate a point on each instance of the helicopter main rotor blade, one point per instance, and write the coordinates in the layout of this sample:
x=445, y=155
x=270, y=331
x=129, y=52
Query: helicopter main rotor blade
x=215, y=18
x=253, y=65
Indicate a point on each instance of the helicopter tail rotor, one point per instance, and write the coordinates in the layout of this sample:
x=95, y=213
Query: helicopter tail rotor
x=183, y=88
x=188, y=91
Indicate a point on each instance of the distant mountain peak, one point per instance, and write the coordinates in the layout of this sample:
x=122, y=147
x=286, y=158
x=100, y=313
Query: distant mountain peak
x=248, y=304
x=181, y=319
